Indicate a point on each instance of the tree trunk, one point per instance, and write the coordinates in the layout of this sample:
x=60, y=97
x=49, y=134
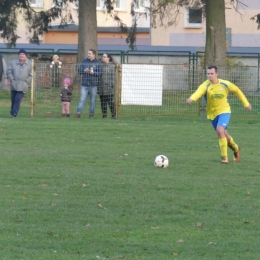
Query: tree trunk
x=87, y=32
x=215, y=51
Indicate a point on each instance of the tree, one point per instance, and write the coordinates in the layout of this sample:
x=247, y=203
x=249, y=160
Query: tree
x=215, y=50
x=87, y=40
x=163, y=13
x=38, y=23
x=166, y=12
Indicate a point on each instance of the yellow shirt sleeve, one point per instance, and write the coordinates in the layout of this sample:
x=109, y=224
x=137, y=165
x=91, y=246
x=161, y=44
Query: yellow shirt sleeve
x=201, y=91
x=233, y=88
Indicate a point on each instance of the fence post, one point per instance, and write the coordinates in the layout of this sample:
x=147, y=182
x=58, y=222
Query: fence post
x=193, y=68
x=122, y=57
x=258, y=87
x=32, y=90
x=203, y=102
x=118, y=88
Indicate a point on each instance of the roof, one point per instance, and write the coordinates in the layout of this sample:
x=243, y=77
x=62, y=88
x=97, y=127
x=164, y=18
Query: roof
x=72, y=27
x=74, y=47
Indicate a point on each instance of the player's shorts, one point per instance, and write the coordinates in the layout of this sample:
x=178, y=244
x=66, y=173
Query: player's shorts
x=221, y=120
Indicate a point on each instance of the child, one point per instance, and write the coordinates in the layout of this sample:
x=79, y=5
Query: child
x=65, y=94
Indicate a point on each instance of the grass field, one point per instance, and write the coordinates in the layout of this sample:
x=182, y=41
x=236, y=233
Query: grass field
x=87, y=189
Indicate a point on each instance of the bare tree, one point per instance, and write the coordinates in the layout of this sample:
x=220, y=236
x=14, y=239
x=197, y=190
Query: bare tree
x=215, y=50
x=87, y=33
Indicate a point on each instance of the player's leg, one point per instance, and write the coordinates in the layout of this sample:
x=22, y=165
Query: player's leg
x=233, y=146
x=222, y=140
x=220, y=124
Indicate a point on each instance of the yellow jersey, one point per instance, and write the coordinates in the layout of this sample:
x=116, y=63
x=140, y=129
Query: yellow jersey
x=216, y=96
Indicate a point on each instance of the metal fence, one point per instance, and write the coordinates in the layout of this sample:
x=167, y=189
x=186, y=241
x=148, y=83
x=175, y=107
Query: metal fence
x=136, y=56
x=180, y=73
x=145, y=89
x=157, y=57
x=234, y=59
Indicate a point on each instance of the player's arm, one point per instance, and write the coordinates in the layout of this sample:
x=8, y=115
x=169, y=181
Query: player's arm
x=189, y=101
x=249, y=107
x=201, y=90
x=240, y=95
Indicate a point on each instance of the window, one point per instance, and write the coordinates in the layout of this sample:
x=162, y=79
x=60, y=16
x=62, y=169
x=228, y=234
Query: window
x=250, y=5
x=60, y=4
x=76, y=4
x=193, y=18
x=100, y=5
x=140, y=5
x=120, y=5
x=36, y=3
x=117, y=4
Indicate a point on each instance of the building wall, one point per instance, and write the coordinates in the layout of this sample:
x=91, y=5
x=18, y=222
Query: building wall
x=244, y=32
x=57, y=37
x=103, y=20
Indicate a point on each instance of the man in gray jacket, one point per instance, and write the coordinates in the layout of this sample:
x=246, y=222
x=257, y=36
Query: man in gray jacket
x=19, y=75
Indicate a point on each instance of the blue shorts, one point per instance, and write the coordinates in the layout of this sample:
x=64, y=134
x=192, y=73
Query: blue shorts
x=221, y=120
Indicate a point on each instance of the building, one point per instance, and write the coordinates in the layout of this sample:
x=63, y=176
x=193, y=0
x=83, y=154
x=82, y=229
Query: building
x=188, y=34
x=108, y=30
x=190, y=29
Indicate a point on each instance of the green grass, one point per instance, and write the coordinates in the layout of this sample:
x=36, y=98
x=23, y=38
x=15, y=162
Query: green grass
x=87, y=189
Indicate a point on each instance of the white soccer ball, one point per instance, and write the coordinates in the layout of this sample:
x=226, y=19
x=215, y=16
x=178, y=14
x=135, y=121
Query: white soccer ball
x=161, y=161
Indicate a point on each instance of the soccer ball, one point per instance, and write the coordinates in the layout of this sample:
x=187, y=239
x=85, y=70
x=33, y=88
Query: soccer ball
x=161, y=161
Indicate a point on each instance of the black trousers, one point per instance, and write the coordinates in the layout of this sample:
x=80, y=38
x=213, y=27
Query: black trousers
x=16, y=99
x=107, y=100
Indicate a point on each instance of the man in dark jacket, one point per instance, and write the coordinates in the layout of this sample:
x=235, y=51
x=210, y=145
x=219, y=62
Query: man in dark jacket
x=90, y=70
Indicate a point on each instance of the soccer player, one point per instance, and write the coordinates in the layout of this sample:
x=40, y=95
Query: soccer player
x=218, y=109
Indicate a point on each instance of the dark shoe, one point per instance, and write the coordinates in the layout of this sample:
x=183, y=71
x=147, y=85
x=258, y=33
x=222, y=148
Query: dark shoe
x=91, y=115
x=237, y=155
x=104, y=116
x=78, y=115
x=63, y=115
x=68, y=115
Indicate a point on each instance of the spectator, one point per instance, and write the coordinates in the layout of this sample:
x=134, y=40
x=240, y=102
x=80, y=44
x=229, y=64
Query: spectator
x=90, y=70
x=55, y=67
x=3, y=70
x=19, y=75
x=107, y=85
x=65, y=95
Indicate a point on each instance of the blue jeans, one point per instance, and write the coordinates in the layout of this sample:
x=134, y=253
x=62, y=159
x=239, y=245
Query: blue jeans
x=16, y=99
x=84, y=92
